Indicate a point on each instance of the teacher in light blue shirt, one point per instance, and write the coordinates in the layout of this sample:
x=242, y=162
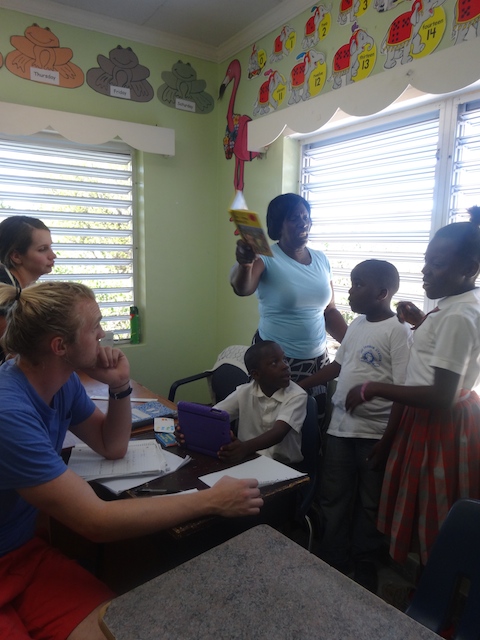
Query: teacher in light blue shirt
x=294, y=288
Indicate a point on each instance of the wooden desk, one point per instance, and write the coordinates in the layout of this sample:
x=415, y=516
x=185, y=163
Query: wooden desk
x=125, y=564
x=188, y=478
x=95, y=388
x=258, y=585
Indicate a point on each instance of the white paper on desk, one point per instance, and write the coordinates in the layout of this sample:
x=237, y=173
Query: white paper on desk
x=142, y=457
x=71, y=440
x=119, y=485
x=265, y=470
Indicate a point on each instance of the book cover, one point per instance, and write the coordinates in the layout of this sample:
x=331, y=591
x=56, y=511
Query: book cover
x=250, y=228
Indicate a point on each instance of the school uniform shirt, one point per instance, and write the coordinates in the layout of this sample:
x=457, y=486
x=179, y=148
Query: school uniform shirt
x=375, y=351
x=448, y=339
x=257, y=413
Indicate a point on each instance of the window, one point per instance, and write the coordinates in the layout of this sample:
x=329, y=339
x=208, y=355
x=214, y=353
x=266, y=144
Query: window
x=382, y=188
x=84, y=195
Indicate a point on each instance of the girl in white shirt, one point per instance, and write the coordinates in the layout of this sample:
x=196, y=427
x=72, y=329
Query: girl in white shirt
x=433, y=437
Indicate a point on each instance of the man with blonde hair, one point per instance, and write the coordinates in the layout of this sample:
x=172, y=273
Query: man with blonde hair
x=54, y=329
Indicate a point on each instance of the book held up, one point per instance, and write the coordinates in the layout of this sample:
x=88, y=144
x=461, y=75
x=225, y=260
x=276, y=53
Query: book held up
x=251, y=231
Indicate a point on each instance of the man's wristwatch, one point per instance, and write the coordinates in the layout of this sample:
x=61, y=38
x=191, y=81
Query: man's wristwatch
x=120, y=394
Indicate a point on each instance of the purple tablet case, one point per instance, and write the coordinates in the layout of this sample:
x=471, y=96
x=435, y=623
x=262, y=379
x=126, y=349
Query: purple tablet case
x=205, y=429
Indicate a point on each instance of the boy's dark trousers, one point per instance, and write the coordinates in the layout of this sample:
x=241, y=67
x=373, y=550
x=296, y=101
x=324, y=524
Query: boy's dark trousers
x=349, y=495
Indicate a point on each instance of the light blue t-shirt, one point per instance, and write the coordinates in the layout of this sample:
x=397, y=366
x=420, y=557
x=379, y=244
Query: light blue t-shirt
x=292, y=299
x=31, y=438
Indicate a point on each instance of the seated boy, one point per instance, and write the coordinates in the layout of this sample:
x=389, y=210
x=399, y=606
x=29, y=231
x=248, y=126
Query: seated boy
x=374, y=348
x=270, y=409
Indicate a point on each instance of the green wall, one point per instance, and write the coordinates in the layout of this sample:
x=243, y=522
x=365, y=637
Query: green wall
x=178, y=202
x=186, y=241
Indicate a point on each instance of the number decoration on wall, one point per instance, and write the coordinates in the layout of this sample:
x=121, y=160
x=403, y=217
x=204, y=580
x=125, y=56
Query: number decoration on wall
x=271, y=93
x=283, y=43
x=181, y=90
x=121, y=76
x=235, y=137
x=39, y=57
x=256, y=62
x=348, y=11
x=317, y=26
x=386, y=5
x=415, y=33
x=467, y=18
x=354, y=60
x=308, y=76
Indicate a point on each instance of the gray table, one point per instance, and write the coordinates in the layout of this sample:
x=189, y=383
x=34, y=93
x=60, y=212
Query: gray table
x=259, y=585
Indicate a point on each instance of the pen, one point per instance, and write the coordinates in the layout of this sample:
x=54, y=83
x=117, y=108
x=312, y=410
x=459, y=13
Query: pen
x=157, y=492
x=131, y=399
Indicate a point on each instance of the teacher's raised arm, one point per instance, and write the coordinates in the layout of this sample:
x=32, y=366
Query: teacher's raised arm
x=294, y=289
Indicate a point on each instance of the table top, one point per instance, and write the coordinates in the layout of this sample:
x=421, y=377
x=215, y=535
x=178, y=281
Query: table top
x=186, y=477
x=259, y=585
x=95, y=388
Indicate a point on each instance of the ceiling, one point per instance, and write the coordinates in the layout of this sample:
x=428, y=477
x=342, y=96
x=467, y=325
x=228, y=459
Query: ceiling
x=210, y=29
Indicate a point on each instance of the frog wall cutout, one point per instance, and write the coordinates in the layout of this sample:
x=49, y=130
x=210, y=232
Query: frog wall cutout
x=181, y=90
x=38, y=56
x=121, y=76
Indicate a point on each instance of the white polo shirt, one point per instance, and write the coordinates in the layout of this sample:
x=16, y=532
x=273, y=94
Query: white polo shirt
x=257, y=413
x=448, y=339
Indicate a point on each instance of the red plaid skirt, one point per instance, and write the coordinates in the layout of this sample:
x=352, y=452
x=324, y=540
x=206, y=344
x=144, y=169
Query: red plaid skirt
x=434, y=461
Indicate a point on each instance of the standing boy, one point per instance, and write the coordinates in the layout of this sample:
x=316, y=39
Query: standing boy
x=374, y=348
x=270, y=409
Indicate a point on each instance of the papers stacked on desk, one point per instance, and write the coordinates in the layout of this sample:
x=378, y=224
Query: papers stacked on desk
x=265, y=470
x=144, y=457
x=145, y=461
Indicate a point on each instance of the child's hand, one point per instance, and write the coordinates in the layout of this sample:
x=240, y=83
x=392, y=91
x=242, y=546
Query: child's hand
x=354, y=398
x=179, y=437
x=234, y=452
x=378, y=456
x=408, y=312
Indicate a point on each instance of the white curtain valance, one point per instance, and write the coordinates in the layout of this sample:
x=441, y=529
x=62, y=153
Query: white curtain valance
x=17, y=119
x=443, y=72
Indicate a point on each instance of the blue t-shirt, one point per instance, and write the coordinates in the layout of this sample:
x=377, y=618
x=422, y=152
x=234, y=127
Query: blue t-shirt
x=31, y=438
x=292, y=299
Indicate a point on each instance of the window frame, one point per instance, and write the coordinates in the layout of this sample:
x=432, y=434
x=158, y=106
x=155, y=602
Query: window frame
x=52, y=140
x=344, y=126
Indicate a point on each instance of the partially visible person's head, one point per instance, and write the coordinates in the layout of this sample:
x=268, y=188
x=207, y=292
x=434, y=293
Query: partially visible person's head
x=41, y=312
x=266, y=363
x=16, y=237
x=373, y=282
x=452, y=259
x=281, y=208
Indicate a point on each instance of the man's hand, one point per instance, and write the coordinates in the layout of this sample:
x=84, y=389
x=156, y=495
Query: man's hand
x=112, y=368
x=233, y=452
x=234, y=498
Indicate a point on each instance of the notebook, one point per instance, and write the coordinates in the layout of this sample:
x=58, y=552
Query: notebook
x=205, y=429
x=146, y=413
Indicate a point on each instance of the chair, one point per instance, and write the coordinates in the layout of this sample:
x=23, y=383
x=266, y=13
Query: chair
x=310, y=451
x=227, y=373
x=455, y=556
